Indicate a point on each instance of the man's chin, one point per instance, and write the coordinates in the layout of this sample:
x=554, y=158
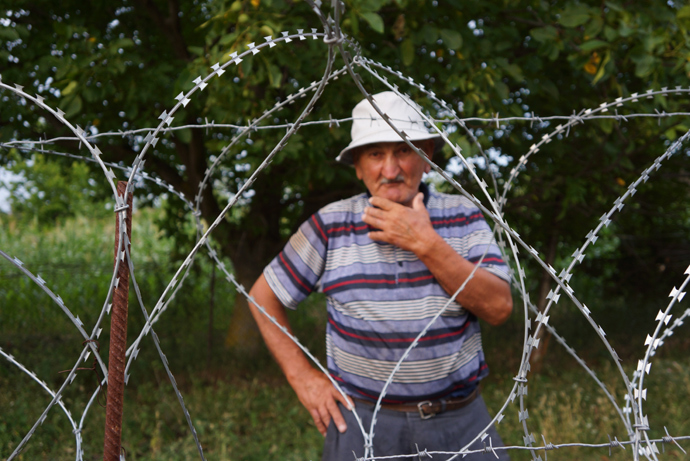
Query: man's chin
x=395, y=196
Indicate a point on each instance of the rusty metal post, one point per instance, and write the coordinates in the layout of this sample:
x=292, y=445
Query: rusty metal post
x=118, y=343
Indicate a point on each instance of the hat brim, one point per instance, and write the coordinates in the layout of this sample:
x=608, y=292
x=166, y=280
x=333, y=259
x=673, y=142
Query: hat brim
x=346, y=156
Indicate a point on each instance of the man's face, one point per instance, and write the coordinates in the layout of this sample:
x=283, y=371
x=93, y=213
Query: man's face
x=392, y=170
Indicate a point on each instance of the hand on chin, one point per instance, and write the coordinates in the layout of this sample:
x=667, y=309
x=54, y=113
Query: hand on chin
x=395, y=192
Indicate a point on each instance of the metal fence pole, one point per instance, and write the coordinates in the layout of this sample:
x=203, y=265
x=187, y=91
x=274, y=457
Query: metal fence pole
x=118, y=343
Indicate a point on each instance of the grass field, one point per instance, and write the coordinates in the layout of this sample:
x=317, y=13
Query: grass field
x=242, y=408
x=249, y=413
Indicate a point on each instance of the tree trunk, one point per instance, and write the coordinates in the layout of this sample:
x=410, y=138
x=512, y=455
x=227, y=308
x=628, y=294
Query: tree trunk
x=243, y=335
x=250, y=248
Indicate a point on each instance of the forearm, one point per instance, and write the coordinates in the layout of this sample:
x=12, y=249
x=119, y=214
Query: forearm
x=485, y=295
x=288, y=355
x=313, y=388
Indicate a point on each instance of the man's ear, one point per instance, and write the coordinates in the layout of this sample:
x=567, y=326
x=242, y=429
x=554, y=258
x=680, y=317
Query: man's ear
x=358, y=171
x=355, y=163
x=429, y=151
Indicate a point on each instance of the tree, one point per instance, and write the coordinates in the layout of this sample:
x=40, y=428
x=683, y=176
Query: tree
x=117, y=67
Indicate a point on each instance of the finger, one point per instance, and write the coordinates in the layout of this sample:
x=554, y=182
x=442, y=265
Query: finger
x=376, y=212
x=379, y=236
x=372, y=221
x=382, y=202
x=345, y=400
x=325, y=414
x=338, y=419
x=418, y=202
x=316, y=416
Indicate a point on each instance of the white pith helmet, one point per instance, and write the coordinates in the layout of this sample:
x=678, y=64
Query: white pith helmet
x=368, y=127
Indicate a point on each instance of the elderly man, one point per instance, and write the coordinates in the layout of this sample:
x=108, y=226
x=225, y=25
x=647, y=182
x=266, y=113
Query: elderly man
x=388, y=260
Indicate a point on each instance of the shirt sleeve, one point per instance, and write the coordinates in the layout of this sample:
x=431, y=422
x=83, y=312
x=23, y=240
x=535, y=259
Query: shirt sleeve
x=294, y=273
x=483, y=249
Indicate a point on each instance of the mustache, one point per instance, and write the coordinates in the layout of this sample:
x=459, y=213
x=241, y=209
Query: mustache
x=399, y=178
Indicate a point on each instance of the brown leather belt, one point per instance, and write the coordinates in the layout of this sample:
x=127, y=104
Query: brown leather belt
x=428, y=408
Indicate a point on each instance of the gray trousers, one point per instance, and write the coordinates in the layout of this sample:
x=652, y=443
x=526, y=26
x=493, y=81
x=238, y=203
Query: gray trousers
x=402, y=433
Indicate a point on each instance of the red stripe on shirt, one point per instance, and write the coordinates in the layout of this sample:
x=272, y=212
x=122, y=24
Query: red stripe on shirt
x=455, y=220
x=347, y=228
x=491, y=260
x=389, y=282
x=396, y=340
x=313, y=217
x=294, y=276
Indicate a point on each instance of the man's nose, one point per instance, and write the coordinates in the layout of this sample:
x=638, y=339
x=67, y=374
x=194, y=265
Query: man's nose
x=391, y=166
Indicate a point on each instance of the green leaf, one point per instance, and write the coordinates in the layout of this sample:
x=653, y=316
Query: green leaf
x=90, y=93
x=247, y=64
x=502, y=46
x=615, y=7
x=9, y=34
x=228, y=38
x=197, y=50
x=593, y=45
x=544, y=34
x=551, y=51
x=574, y=15
x=601, y=72
x=354, y=22
x=459, y=82
x=511, y=69
x=594, y=26
x=468, y=106
x=549, y=88
x=624, y=30
x=65, y=70
x=606, y=125
x=374, y=21
x=428, y=34
x=71, y=106
x=644, y=65
x=275, y=76
x=372, y=5
x=122, y=43
x=407, y=51
x=684, y=13
x=610, y=33
x=651, y=42
x=501, y=89
x=451, y=38
x=118, y=65
x=69, y=88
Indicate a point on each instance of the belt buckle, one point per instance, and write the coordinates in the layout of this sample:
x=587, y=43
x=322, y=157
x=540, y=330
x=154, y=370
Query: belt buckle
x=421, y=410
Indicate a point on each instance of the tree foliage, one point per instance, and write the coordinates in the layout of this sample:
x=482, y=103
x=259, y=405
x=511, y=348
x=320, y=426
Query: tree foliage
x=118, y=66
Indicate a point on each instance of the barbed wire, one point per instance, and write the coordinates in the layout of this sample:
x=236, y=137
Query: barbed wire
x=630, y=414
x=497, y=120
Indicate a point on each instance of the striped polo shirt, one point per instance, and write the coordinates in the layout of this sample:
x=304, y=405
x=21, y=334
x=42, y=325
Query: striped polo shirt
x=380, y=297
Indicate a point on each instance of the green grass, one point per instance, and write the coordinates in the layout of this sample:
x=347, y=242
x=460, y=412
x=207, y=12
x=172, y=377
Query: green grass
x=566, y=407
x=252, y=414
